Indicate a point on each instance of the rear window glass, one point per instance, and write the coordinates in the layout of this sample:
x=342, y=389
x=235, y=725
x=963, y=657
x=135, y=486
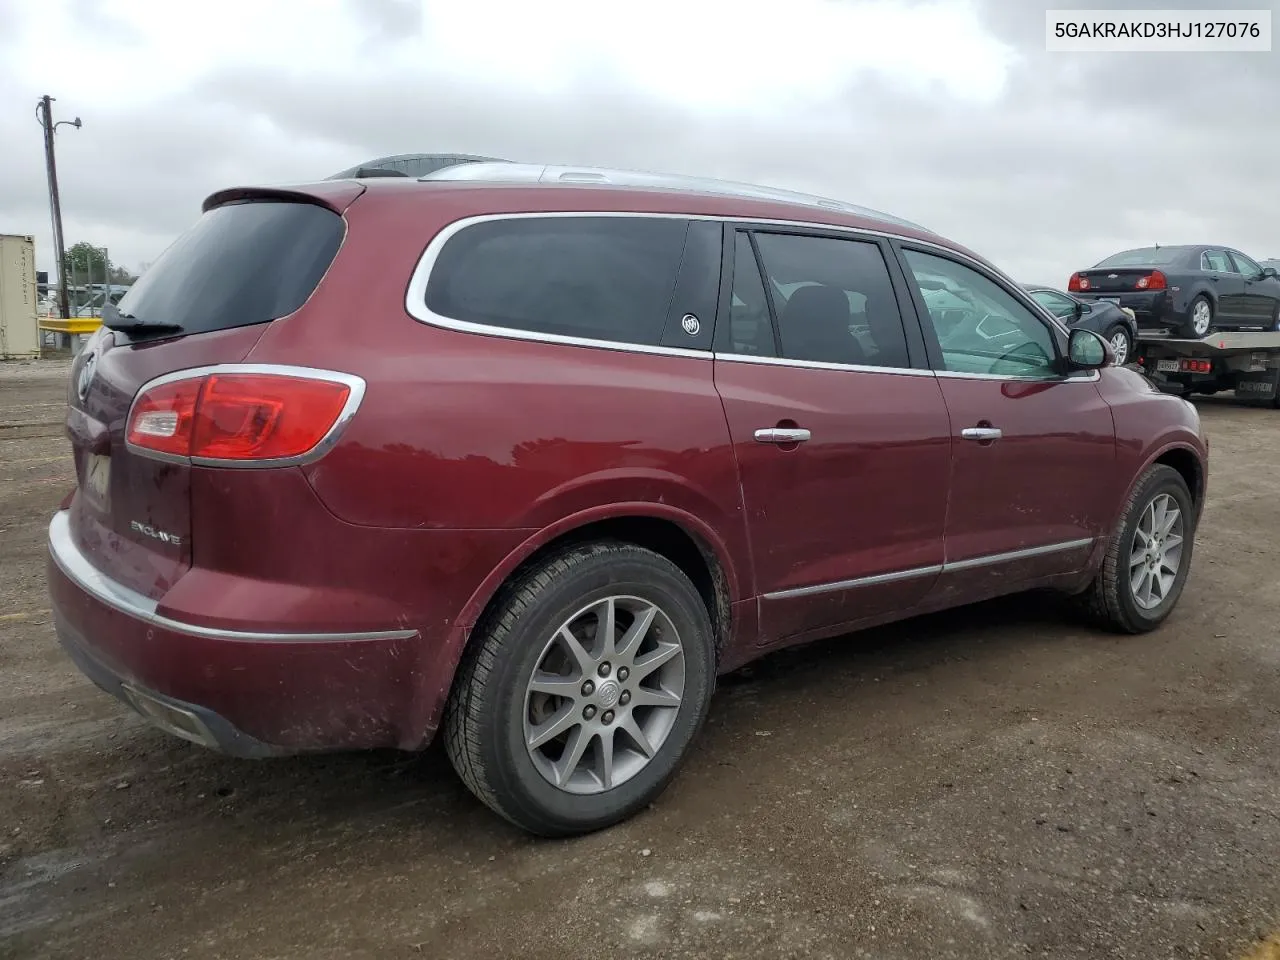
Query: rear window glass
x=240, y=264
x=602, y=278
x=1145, y=257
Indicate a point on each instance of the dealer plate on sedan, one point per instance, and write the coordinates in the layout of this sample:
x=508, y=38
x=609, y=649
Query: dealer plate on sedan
x=1167, y=366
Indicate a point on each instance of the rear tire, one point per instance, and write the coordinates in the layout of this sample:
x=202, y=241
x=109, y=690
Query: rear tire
x=1134, y=591
x=1200, y=315
x=1118, y=336
x=521, y=680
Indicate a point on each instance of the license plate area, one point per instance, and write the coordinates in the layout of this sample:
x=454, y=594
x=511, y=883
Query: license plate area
x=97, y=479
x=1167, y=366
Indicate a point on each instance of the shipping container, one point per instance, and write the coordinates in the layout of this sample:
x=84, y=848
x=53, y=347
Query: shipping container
x=19, y=336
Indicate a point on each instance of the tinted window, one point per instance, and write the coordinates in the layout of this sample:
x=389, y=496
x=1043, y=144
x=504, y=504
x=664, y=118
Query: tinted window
x=1144, y=257
x=981, y=328
x=1216, y=260
x=1244, y=265
x=750, y=326
x=833, y=300
x=1055, y=303
x=240, y=264
x=604, y=278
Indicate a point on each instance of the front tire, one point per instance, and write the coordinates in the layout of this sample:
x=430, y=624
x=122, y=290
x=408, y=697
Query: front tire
x=1147, y=562
x=581, y=692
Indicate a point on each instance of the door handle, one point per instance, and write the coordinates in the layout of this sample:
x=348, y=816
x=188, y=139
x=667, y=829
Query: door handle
x=782, y=435
x=981, y=433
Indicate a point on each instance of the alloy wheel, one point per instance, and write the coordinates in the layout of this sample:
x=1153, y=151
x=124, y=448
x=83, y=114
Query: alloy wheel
x=604, y=695
x=1120, y=347
x=1201, y=315
x=1155, y=555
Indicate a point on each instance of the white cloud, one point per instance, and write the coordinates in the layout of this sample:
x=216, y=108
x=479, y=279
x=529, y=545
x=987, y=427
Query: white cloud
x=948, y=112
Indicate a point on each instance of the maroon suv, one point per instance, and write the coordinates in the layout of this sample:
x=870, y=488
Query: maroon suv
x=535, y=454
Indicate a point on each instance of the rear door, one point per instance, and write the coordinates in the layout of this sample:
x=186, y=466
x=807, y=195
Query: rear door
x=1228, y=284
x=1029, y=445
x=1261, y=295
x=840, y=433
x=206, y=300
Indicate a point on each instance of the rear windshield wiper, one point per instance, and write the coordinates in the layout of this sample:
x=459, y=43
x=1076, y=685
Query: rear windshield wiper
x=128, y=323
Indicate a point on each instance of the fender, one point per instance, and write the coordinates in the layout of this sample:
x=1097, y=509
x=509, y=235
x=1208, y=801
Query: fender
x=429, y=703
x=1179, y=443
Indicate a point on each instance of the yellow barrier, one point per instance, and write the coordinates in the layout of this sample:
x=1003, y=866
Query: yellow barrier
x=74, y=326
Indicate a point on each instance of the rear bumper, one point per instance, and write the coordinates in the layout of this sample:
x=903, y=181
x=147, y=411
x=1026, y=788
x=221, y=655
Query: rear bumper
x=243, y=692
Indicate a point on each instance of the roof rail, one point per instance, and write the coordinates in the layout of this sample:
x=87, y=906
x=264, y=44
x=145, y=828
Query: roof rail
x=506, y=172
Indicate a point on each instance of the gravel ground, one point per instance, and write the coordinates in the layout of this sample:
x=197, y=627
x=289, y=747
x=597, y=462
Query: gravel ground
x=994, y=782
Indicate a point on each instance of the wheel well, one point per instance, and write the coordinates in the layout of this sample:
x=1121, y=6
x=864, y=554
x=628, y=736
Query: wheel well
x=694, y=558
x=1188, y=465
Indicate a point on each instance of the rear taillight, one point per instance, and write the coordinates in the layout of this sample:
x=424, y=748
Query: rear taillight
x=244, y=415
x=1155, y=280
x=1077, y=283
x=1197, y=366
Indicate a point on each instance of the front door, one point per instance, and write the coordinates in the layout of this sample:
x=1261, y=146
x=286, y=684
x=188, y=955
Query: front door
x=842, y=439
x=1032, y=449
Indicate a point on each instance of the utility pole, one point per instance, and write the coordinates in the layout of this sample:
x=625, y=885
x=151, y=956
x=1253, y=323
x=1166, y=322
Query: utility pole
x=44, y=111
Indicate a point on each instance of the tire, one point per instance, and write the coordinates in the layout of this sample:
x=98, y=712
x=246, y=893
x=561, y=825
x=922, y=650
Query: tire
x=1111, y=599
x=1115, y=335
x=1200, y=312
x=493, y=714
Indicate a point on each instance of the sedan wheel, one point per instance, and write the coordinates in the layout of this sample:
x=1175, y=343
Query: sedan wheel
x=1201, y=316
x=1120, y=346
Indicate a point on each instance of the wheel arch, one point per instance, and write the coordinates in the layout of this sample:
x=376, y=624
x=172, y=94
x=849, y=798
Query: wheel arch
x=683, y=539
x=1182, y=457
x=1189, y=465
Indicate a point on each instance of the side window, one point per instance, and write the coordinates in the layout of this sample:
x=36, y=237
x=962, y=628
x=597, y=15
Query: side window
x=1245, y=265
x=1059, y=306
x=833, y=299
x=1216, y=260
x=981, y=327
x=750, y=327
x=603, y=278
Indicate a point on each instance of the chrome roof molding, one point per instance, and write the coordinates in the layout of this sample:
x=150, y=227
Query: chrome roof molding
x=505, y=172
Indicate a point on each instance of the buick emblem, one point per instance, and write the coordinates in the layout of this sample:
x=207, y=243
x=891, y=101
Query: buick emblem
x=85, y=378
x=690, y=324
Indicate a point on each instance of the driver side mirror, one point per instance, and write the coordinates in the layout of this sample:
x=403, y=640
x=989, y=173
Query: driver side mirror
x=1268, y=272
x=1079, y=309
x=1087, y=351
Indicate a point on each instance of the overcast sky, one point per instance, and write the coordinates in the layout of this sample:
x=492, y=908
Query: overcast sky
x=947, y=113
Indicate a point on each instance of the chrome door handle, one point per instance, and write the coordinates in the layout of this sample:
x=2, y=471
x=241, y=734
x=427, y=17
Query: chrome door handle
x=981, y=433
x=782, y=435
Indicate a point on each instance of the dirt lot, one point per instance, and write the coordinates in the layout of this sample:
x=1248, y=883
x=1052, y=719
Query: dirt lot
x=993, y=783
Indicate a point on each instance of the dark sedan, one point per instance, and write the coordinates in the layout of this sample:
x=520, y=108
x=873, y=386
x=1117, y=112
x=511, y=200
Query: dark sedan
x=1113, y=323
x=1186, y=290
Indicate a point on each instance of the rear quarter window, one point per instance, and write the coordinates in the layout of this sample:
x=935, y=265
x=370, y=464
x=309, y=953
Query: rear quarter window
x=240, y=264
x=598, y=278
